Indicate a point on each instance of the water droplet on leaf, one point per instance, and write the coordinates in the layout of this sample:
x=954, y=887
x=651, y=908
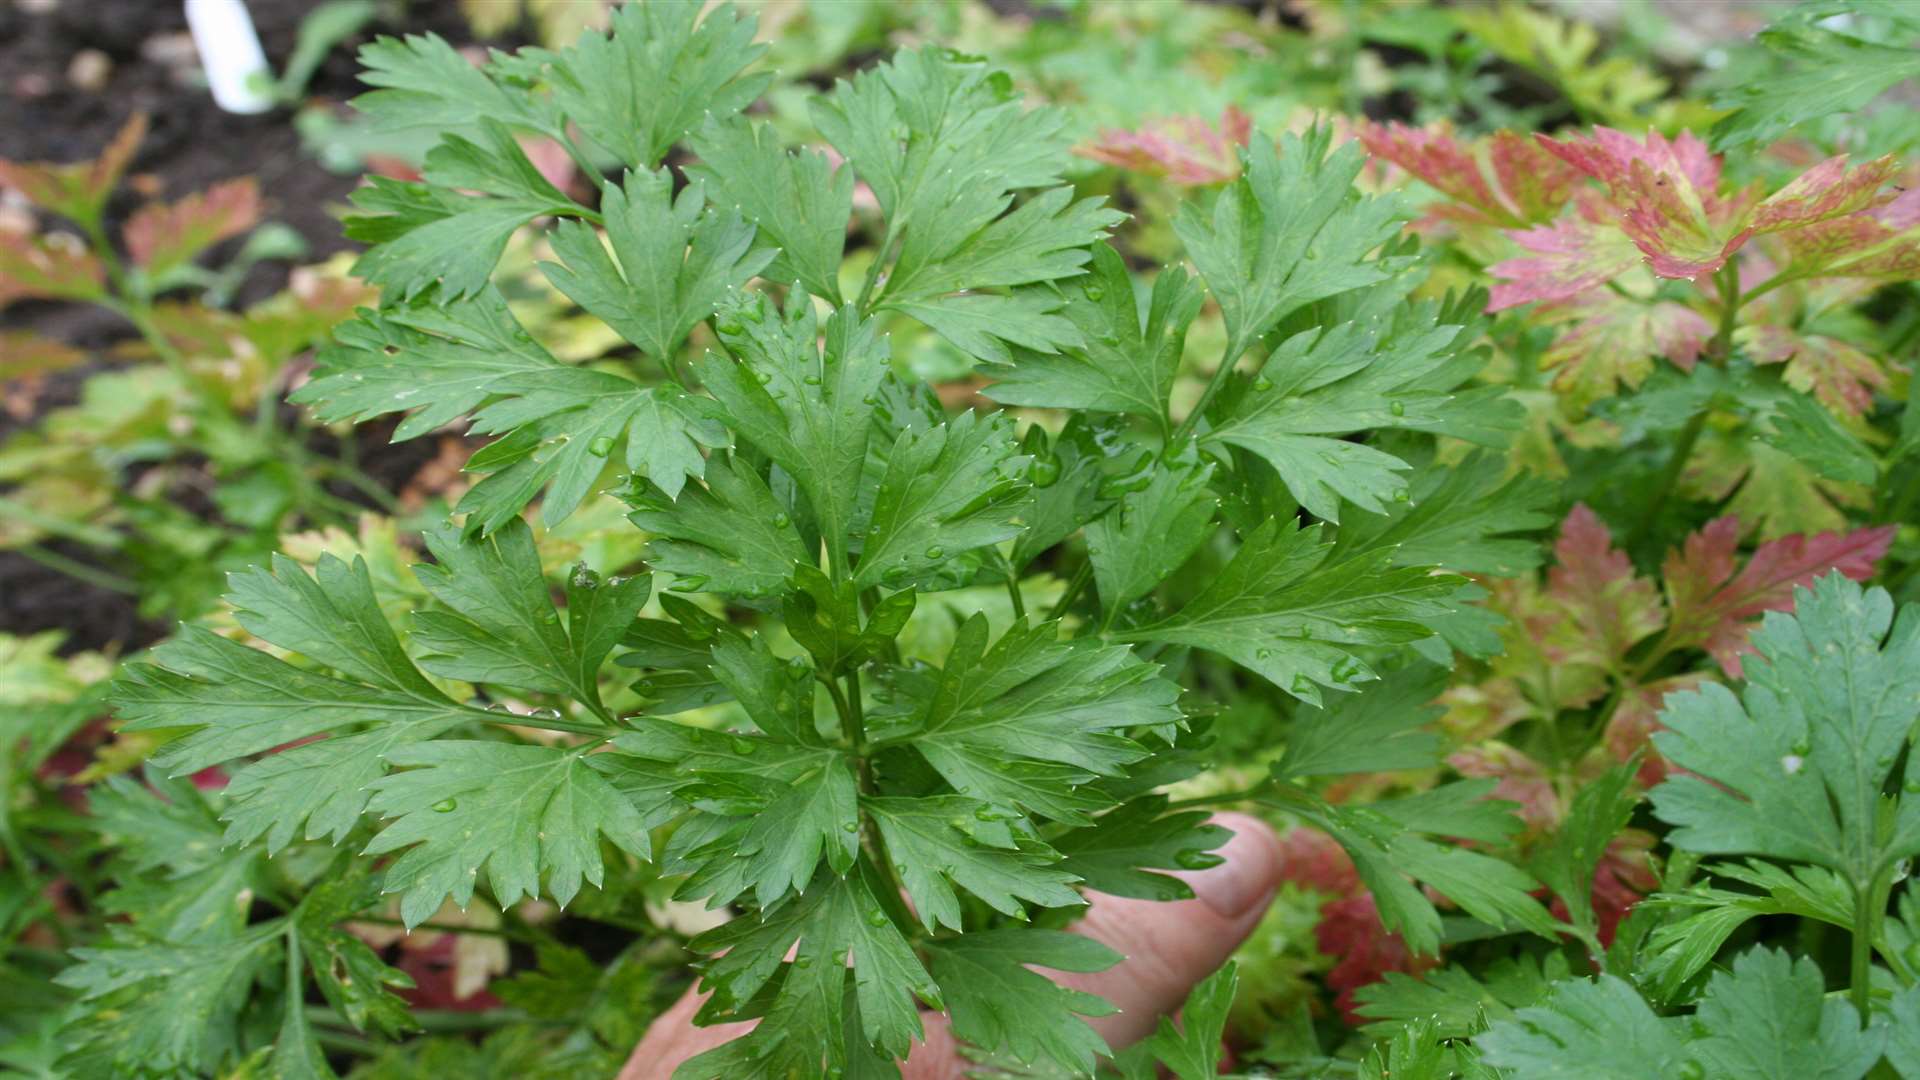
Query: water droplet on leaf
x=600, y=446
x=445, y=806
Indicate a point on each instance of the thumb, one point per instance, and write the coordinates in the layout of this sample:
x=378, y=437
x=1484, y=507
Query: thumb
x=1169, y=947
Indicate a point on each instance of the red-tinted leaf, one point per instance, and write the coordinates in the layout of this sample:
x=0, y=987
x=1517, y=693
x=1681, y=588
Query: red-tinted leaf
x=1828, y=190
x=1313, y=860
x=1840, y=375
x=1520, y=780
x=1581, y=251
x=1350, y=930
x=1184, y=149
x=1609, y=608
x=1666, y=193
x=1621, y=879
x=162, y=236
x=1609, y=341
x=1881, y=242
x=25, y=354
x=78, y=190
x=1713, y=608
x=1630, y=729
x=1505, y=179
x=46, y=268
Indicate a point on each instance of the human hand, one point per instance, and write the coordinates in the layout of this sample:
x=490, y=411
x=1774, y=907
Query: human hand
x=1167, y=949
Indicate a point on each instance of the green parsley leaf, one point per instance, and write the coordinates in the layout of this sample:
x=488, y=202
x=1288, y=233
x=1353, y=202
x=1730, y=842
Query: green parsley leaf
x=1026, y=723
x=938, y=842
x=1150, y=534
x=997, y=1002
x=1834, y=72
x=521, y=812
x=1131, y=351
x=1794, y=768
x=946, y=491
x=730, y=535
x=795, y=199
x=1283, y=610
x=1290, y=231
x=641, y=86
x=1192, y=1050
x=1118, y=852
x=677, y=261
x=803, y=403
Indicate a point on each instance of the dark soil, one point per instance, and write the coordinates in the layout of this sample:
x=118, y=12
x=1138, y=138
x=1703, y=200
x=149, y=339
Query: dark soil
x=191, y=144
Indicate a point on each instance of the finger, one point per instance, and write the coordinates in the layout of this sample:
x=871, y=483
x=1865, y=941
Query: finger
x=1168, y=947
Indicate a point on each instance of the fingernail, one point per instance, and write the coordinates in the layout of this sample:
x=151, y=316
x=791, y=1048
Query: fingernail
x=1249, y=874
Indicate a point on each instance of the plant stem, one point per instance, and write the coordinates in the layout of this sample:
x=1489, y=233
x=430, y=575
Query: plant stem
x=1663, y=488
x=441, y=1019
x=1013, y=587
x=74, y=568
x=1075, y=585
x=853, y=720
x=588, y=171
x=1728, y=279
x=880, y=255
x=1228, y=360
x=438, y=928
x=547, y=723
x=1861, y=969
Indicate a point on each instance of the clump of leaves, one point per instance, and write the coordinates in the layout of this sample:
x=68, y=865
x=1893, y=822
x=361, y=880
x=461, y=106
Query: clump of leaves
x=200, y=406
x=893, y=829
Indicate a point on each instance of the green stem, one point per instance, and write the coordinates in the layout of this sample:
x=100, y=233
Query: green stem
x=1728, y=280
x=1669, y=476
x=588, y=171
x=880, y=256
x=1768, y=286
x=79, y=532
x=1075, y=585
x=74, y=568
x=442, y=1020
x=360, y=482
x=441, y=928
x=853, y=720
x=1013, y=587
x=547, y=723
x=1861, y=969
x=1219, y=379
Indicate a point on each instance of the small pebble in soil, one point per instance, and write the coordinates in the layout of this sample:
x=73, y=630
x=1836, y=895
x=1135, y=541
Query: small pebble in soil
x=89, y=70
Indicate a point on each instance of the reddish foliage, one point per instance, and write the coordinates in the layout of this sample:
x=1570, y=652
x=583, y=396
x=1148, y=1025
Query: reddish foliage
x=1713, y=608
x=1185, y=149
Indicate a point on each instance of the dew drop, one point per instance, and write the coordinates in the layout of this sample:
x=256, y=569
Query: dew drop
x=1044, y=472
x=1396, y=408
x=1263, y=384
x=803, y=962
x=1095, y=293
x=876, y=918
x=935, y=551
x=781, y=521
x=1197, y=860
x=445, y=806
x=600, y=446
x=743, y=747
x=849, y=827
